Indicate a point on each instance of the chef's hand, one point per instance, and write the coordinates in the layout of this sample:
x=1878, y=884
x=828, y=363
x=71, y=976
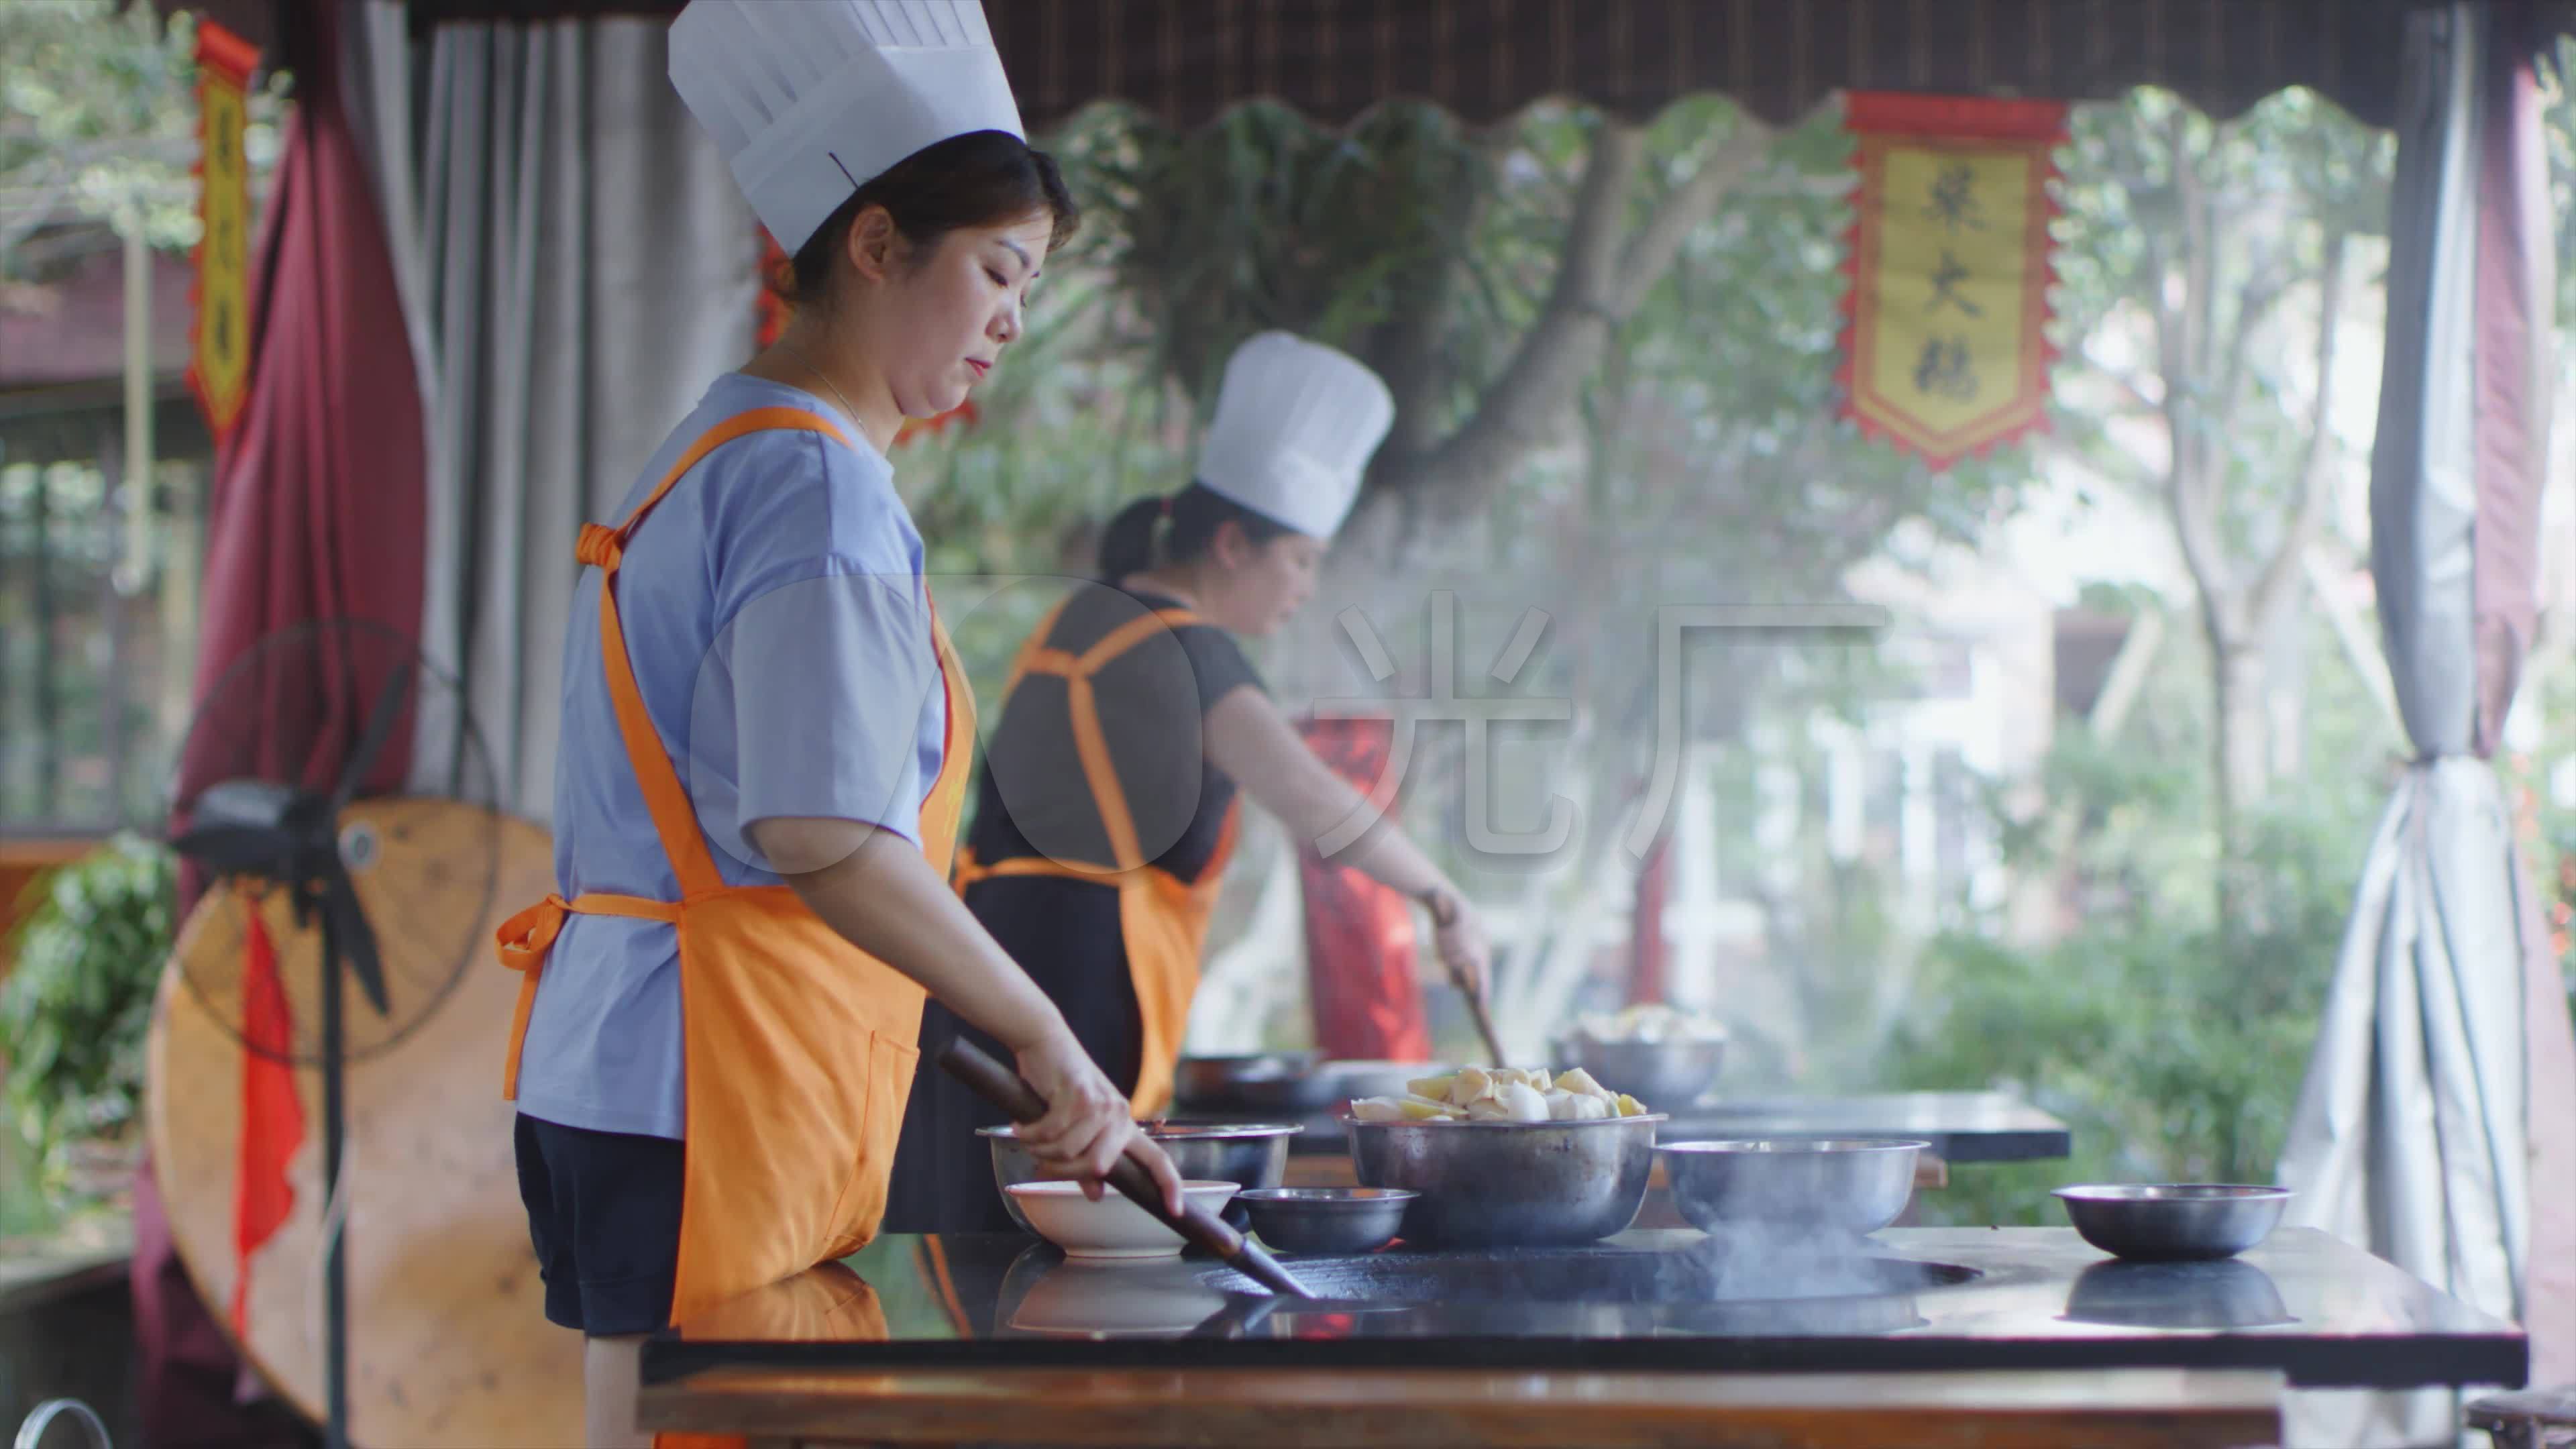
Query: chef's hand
x=1086, y=1125
x=1459, y=937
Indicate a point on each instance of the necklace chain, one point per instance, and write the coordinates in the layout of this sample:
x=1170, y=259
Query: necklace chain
x=808, y=364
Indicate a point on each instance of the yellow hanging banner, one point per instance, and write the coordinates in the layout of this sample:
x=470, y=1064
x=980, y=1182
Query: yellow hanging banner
x=1945, y=337
x=219, y=360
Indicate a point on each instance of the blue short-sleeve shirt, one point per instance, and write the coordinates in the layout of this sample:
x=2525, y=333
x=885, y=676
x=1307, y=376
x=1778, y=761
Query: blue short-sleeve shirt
x=779, y=629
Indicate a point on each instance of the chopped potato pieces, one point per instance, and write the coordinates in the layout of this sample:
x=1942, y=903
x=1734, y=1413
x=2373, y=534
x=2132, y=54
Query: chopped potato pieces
x=1501, y=1094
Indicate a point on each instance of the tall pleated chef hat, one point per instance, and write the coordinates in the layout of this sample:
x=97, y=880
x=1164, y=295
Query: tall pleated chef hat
x=811, y=99
x=1295, y=424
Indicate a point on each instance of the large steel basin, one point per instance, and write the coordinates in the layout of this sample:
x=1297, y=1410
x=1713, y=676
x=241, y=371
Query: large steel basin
x=1791, y=1187
x=1529, y=1184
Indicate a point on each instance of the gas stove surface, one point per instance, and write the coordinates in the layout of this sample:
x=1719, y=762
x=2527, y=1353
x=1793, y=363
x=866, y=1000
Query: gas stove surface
x=2320, y=1310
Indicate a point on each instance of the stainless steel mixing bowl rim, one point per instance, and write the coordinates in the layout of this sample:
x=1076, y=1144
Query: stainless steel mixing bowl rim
x=1352, y=1121
x=1183, y=1132
x=1790, y=1146
x=1327, y=1198
x=2134, y=1192
x=1226, y=1057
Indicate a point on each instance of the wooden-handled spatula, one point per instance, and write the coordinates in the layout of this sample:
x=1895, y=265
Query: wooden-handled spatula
x=1005, y=1089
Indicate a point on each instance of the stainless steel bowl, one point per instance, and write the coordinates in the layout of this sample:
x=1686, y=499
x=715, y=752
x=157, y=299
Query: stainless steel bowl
x=1520, y=1184
x=1208, y=1077
x=2173, y=1222
x=1852, y=1186
x=1665, y=1075
x=1254, y=1154
x=1327, y=1219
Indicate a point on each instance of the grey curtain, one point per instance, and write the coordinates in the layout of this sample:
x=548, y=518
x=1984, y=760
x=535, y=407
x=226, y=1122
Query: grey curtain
x=578, y=267
x=2434, y=1127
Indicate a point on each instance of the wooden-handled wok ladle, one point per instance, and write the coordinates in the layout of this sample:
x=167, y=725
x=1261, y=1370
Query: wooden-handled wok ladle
x=1005, y=1089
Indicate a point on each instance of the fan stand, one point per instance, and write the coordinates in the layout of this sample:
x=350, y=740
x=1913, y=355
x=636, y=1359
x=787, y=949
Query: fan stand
x=306, y=902
x=259, y=820
x=335, y=1217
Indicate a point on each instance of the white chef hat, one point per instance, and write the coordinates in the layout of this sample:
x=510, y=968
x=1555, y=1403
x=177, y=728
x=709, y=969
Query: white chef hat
x=1295, y=424
x=811, y=99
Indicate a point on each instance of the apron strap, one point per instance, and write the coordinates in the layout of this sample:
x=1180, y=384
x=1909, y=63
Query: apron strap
x=674, y=819
x=528, y=937
x=970, y=869
x=1108, y=795
x=1030, y=647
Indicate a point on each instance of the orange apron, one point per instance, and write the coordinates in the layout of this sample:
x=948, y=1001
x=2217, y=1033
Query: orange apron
x=786, y=1166
x=1163, y=919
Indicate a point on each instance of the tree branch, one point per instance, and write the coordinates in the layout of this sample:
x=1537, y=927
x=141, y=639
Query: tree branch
x=1411, y=352
x=1688, y=205
x=1560, y=349
x=2253, y=307
x=1599, y=282
x=2121, y=378
x=2308, y=511
x=2180, y=349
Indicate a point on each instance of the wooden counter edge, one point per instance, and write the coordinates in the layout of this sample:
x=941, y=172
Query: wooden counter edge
x=1434, y=1409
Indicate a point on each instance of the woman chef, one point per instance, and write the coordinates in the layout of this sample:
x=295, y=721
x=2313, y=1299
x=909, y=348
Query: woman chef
x=1107, y=807
x=765, y=735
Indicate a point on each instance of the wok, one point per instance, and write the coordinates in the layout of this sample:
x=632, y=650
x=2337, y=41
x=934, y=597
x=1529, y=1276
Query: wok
x=1291, y=1082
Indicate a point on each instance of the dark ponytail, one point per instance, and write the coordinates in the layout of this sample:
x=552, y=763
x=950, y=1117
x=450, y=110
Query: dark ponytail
x=1127, y=544
x=1196, y=513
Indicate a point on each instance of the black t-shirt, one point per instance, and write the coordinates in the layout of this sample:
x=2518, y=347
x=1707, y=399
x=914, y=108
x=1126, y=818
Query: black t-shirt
x=1032, y=797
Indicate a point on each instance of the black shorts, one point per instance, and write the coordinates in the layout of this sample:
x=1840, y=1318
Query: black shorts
x=604, y=1213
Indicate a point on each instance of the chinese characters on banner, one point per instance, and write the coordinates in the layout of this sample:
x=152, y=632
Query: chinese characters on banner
x=774, y=265
x=1945, y=346
x=219, y=360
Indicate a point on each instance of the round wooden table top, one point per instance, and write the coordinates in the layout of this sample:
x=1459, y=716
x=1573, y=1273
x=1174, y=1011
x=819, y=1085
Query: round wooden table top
x=448, y=1341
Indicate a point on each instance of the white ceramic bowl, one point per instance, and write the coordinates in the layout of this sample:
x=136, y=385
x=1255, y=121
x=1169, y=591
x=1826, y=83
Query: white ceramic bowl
x=1112, y=1227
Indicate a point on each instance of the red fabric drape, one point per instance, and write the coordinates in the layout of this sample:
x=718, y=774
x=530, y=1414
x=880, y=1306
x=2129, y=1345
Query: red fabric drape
x=317, y=512
x=1366, y=1000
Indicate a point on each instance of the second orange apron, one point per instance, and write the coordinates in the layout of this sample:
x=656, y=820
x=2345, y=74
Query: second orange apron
x=1163, y=919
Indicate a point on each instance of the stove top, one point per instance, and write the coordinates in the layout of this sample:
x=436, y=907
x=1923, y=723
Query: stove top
x=2321, y=1311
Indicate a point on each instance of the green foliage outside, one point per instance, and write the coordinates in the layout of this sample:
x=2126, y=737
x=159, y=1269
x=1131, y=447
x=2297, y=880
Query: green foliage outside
x=76, y=1005
x=2174, y=1050
x=98, y=122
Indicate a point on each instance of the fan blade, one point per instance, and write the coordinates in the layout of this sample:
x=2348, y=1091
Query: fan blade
x=371, y=742
x=356, y=939
x=227, y=849
x=263, y=803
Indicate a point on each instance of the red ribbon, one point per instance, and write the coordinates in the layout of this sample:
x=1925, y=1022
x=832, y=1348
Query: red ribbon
x=272, y=1110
